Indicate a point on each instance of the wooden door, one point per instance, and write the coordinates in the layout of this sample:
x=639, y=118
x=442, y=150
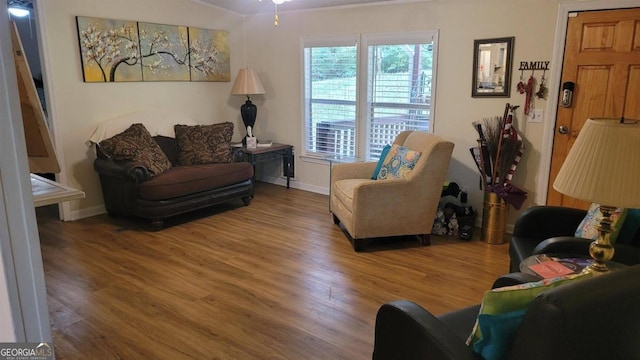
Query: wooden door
x=602, y=58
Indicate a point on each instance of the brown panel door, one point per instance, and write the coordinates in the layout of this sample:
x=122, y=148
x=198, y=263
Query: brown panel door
x=602, y=59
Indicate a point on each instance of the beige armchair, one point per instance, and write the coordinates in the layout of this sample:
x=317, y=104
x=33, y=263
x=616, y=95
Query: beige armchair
x=380, y=208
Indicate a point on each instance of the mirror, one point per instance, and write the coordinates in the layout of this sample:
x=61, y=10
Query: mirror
x=492, y=67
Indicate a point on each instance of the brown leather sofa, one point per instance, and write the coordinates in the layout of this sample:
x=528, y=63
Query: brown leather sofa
x=130, y=190
x=595, y=318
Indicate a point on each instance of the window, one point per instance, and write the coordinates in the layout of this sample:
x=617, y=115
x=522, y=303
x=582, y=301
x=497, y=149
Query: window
x=395, y=72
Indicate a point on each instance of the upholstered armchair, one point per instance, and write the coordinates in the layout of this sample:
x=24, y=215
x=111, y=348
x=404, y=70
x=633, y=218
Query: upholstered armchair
x=369, y=208
x=593, y=318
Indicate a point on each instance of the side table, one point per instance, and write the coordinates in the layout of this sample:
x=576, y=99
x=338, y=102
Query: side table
x=576, y=263
x=269, y=153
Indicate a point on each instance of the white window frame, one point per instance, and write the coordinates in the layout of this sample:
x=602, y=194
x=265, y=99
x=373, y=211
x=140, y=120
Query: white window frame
x=363, y=41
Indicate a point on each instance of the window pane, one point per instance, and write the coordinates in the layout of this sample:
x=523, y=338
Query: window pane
x=330, y=100
x=399, y=92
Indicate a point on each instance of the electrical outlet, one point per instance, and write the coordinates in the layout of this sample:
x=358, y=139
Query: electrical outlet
x=535, y=115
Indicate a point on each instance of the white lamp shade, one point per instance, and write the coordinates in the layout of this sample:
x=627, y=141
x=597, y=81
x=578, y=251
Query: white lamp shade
x=603, y=165
x=247, y=83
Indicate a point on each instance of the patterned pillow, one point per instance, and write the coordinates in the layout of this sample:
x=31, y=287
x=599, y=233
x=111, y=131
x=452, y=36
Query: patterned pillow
x=136, y=144
x=204, y=144
x=398, y=163
x=502, y=311
x=383, y=155
x=587, y=228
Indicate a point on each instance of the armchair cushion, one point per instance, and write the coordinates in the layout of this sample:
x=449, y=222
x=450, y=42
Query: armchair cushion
x=204, y=144
x=398, y=163
x=136, y=145
x=587, y=228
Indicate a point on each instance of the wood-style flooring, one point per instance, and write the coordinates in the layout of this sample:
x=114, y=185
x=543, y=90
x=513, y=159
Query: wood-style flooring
x=273, y=280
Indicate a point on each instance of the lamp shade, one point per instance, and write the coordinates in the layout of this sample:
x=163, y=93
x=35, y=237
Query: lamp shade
x=247, y=83
x=603, y=165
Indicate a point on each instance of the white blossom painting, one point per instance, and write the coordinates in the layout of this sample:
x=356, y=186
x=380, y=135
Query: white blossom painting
x=118, y=50
x=165, y=52
x=110, y=50
x=209, y=55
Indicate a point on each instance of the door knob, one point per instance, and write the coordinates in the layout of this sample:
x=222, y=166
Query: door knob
x=563, y=129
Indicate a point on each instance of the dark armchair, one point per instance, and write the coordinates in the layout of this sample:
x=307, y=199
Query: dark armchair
x=551, y=229
x=597, y=318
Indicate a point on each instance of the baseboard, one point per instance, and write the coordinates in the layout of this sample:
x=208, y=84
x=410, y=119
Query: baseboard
x=294, y=184
x=87, y=212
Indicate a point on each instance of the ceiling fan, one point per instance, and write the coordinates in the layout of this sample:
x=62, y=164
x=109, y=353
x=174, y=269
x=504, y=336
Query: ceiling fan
x=276, y=3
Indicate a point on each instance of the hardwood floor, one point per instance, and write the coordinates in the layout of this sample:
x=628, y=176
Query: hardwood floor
x=273, y=280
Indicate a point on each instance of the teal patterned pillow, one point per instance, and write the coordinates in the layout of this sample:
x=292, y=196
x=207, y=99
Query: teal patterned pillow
x=383, y=155
x=398, y=163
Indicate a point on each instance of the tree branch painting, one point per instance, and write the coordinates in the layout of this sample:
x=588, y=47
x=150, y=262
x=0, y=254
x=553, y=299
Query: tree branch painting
x=209, y=54
x=118, y=50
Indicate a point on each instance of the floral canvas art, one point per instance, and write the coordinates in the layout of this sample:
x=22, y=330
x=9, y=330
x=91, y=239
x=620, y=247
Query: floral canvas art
x=164, y=52
x=209, y=55
x=109, y=50
x=118, y=50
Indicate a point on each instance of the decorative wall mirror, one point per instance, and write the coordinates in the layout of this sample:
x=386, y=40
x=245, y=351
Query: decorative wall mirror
x=492, y=60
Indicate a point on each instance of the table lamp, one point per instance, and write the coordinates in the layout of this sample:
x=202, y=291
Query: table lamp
x=603, y=167
x=247, y=83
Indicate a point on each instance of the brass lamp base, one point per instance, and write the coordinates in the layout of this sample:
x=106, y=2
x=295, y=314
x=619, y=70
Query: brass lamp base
x=601, y=249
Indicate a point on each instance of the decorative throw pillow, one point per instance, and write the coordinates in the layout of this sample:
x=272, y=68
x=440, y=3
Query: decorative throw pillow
x=383, y=155
x=204, y=144
x=630, y=227
x=136, y=144
x=398, y=163
x=502, y=311
x=587, y=228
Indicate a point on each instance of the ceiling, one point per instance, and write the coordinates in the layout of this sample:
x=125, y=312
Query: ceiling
x=267, y=6
x=262, y=6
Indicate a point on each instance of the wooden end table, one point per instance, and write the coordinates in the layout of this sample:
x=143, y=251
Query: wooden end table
x=269, y=153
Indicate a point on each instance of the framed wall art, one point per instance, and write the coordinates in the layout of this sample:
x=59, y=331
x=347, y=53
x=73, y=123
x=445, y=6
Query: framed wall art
x=121, y=50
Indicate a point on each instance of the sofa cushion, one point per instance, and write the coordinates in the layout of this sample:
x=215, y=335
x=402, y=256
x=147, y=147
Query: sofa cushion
x=136, y=144
x=204, y=144
x=398, y=163
x=192, y=179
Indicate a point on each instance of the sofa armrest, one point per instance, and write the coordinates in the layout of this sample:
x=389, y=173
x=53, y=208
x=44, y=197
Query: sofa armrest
x=544, y=222
x=514, y=278
x=404, y=330
x=128, y=171
x=360, y=170
x=238, y=154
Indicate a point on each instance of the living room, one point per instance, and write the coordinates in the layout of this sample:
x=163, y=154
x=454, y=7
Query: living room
x=76, y=107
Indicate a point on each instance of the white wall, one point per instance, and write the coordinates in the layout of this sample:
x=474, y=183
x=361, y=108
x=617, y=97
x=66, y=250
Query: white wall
x=274, y=52
x=77, y=107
